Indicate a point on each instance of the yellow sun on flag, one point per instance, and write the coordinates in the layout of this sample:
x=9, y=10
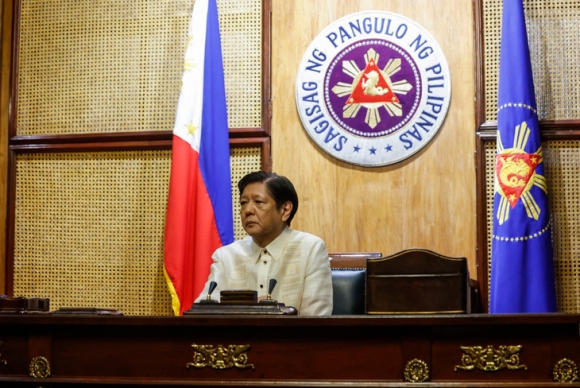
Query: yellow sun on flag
x=515, y=174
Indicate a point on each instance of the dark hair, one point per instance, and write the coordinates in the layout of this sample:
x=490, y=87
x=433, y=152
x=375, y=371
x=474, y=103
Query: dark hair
x=279, y=187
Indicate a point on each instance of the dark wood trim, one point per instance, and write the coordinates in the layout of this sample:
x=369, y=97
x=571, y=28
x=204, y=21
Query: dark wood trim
x=479, y=63
x=6, y=30
x=549, y=129
x=352, y=260
x=481, y=221
x=92, y=138
x=92, y=142
x=116, y=137
x=267, y=155
x=252, y=322
x=561, y=134
x=486, y=133
x=480, y=183
x=267, y=67
x=15, y=68
x=119, y=141
x=263, y=143
x=10, y=30
x=91, y=147
x=285, y=351
x=10, y=219
x=247, y=132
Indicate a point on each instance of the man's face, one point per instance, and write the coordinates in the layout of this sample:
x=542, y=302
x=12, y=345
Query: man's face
x=260, y=218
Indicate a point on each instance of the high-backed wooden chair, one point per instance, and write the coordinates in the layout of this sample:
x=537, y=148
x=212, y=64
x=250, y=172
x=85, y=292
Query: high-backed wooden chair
x=348, y=281
x=419, y=281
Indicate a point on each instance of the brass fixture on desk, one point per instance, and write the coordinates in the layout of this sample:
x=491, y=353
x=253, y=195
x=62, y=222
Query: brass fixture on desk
x=489, y=359
x=565, y=371
x=39, y=368
x=220, y=357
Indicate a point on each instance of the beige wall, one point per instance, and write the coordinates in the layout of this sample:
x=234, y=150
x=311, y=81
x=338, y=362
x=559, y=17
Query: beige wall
x=425, y=201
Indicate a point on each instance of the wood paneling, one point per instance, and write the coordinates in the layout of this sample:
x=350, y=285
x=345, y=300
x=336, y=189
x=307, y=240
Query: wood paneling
x=5, y=60
x=291, y=352
x=163, y=26
x=425, y=201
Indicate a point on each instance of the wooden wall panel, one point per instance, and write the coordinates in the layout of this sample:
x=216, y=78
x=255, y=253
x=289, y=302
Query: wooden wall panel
x=5, y=60
x=425, y=201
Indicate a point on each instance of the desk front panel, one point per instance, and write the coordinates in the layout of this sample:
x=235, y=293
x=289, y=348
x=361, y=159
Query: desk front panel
x=287, y=351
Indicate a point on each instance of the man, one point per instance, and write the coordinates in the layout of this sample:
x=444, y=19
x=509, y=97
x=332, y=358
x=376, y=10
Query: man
x=298, y=261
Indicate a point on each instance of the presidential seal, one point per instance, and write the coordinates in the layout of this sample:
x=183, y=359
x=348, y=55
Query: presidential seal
x=373, y=88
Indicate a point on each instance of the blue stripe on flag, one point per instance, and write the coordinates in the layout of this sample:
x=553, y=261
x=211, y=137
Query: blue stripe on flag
x=214, y=153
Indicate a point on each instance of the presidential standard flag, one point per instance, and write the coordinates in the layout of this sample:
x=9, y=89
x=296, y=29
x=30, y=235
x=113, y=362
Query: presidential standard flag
x=199, y=213
x=522, y=267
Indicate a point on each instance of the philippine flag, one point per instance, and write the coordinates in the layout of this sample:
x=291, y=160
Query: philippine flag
x=199, y=213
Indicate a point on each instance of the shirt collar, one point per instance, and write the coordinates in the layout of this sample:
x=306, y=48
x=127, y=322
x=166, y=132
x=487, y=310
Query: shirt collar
x=275, y=248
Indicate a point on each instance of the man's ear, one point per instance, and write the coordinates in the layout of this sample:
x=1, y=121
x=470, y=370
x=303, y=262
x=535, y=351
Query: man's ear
x=286, y=210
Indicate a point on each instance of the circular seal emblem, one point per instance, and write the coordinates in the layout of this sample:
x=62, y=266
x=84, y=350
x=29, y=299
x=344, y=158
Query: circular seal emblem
x=373, y=88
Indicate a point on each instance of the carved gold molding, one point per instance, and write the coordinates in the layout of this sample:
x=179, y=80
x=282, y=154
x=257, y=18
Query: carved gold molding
x=1, y=360
x=565, y=371
x=39, y=367
x=489, y=359
x=220, y=357
x=416, y=371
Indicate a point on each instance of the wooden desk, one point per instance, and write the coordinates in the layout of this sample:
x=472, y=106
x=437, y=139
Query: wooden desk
x=286, y=351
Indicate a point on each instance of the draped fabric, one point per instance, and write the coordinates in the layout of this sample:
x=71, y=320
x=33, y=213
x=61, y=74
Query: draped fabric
x=522, y=268
x=199, y=213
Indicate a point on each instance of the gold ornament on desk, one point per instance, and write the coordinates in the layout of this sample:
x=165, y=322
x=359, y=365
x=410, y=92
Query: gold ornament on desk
x=416, y=371
x=565, y=371
x=220, y=357
x=39, y=368
x=489, y=359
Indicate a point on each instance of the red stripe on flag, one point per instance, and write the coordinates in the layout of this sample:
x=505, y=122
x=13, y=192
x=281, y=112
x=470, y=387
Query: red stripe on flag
x=191, y=234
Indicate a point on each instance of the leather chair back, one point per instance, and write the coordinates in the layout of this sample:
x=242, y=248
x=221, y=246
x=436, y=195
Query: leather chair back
x=348, y=291
x=348, y=281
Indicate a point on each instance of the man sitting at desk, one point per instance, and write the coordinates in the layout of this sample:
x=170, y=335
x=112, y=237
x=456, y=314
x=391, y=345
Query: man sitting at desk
x=298, y=261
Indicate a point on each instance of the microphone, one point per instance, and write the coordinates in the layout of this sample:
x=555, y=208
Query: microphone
x=271, y=288
x=212, y=286
x=208, y=299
